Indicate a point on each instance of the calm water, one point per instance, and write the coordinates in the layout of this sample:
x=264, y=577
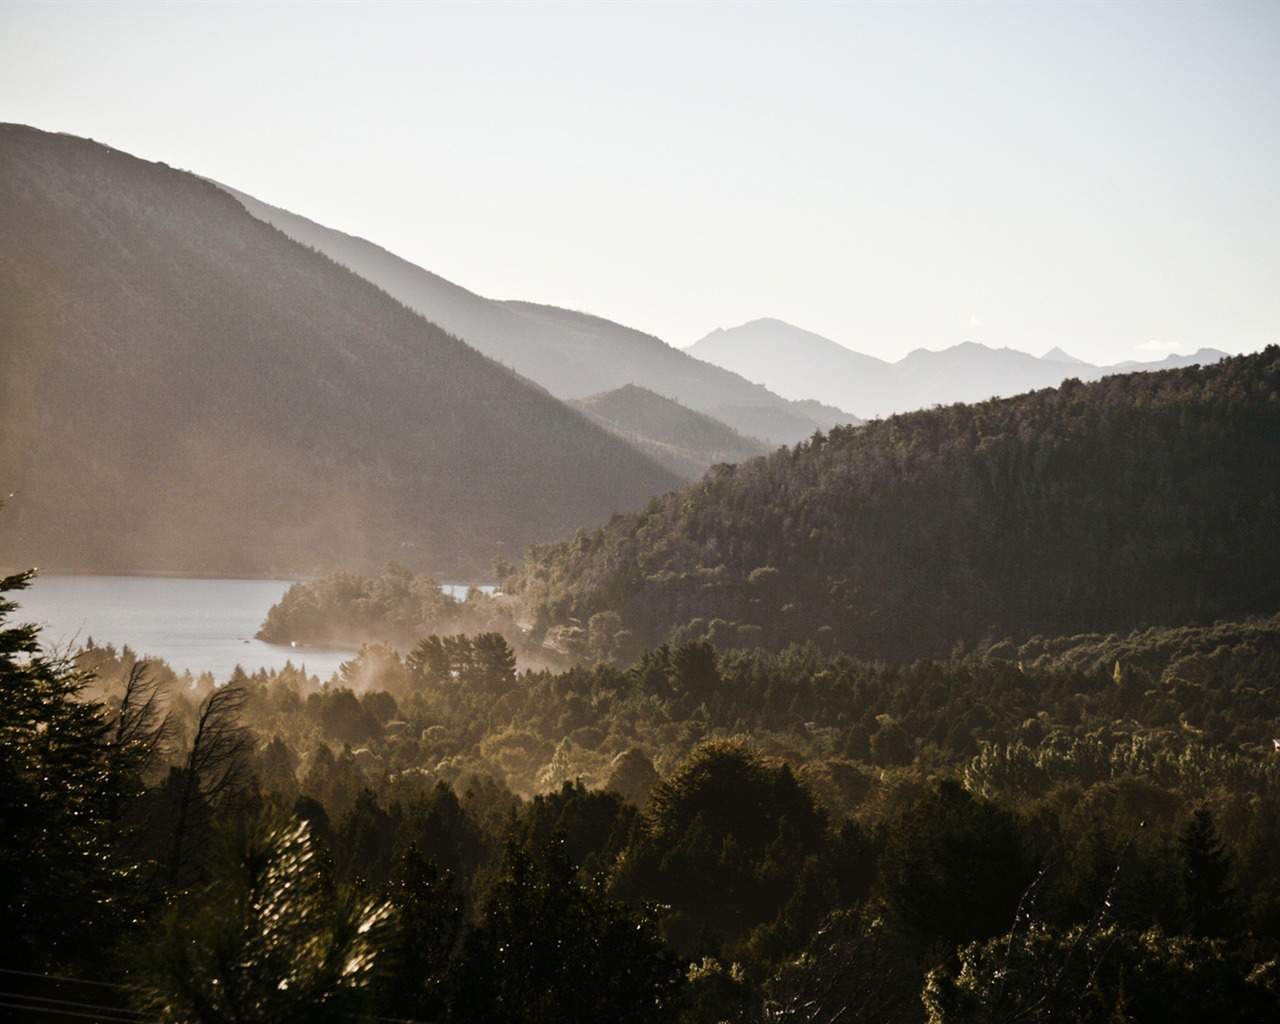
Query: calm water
x=201, y=625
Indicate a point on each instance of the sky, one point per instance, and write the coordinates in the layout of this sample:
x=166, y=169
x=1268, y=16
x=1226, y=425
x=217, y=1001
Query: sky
x=1100, y=177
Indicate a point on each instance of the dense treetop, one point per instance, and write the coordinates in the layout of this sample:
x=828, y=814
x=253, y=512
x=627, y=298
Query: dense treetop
x=1076, y=828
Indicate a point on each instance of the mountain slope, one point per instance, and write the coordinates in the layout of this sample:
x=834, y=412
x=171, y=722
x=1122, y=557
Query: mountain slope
x=1146, y=498
x=571, y=354
x=688, y=443
x=186, y=389
x=800, y=364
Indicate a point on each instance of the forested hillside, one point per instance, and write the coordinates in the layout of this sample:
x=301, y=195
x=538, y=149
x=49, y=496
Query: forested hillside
x=183, y=388
x=1149, y=498
x=686, y=442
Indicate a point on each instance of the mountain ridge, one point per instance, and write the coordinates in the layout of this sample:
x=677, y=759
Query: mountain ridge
x=184, y=388
x=798, y=363
x=571, y=354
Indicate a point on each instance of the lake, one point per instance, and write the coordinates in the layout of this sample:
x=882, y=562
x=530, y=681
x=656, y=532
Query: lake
x=198, y=624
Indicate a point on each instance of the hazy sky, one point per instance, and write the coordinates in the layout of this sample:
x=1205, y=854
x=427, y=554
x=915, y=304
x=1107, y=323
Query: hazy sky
x=1104, y=177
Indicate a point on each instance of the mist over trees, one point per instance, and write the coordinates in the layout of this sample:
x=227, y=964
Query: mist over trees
x=396, y=607
x=716, y=823
x=1071, y=828
x=967, y=715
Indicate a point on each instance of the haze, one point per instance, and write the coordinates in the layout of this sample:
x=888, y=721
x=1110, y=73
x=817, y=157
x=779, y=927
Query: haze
x=1099, y=177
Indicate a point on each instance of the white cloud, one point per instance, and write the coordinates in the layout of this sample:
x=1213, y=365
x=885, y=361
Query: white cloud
x=974, y=322
x=1158, y=346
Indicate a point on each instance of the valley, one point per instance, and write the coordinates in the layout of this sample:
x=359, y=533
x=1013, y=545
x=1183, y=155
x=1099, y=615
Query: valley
x=804, y=685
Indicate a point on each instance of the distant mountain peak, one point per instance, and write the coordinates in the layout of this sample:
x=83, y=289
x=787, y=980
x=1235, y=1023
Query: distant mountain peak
x=1206, y=355
x=1057, y=355
x=771, y=337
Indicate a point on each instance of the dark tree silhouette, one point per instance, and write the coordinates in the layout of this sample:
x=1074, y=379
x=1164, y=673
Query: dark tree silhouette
x=549, y=950
x=59, y=880
x=1210, y=904
x=216, y=768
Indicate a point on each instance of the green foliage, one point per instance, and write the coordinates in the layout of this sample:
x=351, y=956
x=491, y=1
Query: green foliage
x=268, y=938
x=394, y=607
x=591, y=827
x=1210, y=904
x=363, y=841
x=445, y=832
x=550, y=949
x=1095, y=975
x=430, y=914
x=854, y=969
x=67, y=771
x=632, y=774
x=341, y=716
x=727, y=820
x=807, y=873
x=954, y=867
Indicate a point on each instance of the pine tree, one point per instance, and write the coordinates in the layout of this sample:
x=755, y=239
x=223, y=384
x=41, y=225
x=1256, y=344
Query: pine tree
x=1210, y=905
x=60, y=780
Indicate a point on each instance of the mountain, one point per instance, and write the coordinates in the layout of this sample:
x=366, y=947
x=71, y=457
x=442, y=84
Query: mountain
x=795, y=363
x=1056, y=355
x=688, y=443
x=968, y=372
x=799, y=364
x=571, y=354
x=1200, y=357
x=1139, y=499
x=183, y=388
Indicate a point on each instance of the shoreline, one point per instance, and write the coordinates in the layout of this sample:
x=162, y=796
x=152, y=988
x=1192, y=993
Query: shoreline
x=173, y=574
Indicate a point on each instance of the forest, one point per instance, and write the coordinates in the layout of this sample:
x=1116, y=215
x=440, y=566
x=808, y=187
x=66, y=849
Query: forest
x=968, y=715
x=1080, y=827
x=1139, y=499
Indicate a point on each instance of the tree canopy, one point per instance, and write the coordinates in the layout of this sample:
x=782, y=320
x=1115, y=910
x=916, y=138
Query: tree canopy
x=1139, y=499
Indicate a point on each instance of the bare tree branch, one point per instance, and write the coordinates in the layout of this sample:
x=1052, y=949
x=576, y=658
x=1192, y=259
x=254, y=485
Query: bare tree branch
x=216, y=768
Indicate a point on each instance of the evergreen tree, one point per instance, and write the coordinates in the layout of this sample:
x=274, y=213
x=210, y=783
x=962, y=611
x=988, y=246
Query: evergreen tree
x=726, y=821
x=550, y=950
x=430, y=912
x=61, y=783
x=1210, y=906
x=954, y=867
